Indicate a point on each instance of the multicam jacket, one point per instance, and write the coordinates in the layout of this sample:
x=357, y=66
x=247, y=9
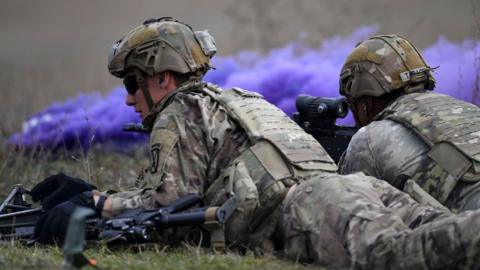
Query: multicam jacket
x=215, y=143
x=207, y=141
x=431, y=138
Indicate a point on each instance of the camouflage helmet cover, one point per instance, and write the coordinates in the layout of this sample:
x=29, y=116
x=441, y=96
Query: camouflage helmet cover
x=159, y=45
x=383, y=64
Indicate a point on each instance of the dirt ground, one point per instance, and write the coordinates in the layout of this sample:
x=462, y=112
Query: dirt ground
x=53, y=49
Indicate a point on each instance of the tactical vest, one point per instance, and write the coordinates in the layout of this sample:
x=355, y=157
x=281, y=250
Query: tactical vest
x=264, y=122
x=451, y=128
x=281, y=154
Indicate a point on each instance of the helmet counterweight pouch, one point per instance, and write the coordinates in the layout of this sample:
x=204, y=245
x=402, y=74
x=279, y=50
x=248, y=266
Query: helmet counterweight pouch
x=207, y=42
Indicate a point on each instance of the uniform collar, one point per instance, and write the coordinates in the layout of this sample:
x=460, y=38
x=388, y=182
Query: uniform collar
x=162, y=104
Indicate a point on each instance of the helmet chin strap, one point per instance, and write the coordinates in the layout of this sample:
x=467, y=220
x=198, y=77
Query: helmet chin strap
x=144, y=87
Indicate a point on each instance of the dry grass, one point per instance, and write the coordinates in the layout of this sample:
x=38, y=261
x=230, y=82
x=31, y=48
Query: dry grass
x=116, y=171
x=13, y=256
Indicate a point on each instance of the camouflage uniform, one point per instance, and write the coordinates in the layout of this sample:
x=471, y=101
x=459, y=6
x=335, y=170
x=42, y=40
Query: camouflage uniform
x=329, y=219
x=191, y=142
x=210, y=142
x=360, y=222
x=390, y=151
x=215, y=143
x=429, y=138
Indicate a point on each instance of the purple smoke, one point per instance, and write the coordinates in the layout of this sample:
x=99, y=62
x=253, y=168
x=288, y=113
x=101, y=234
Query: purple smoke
x=459, y=67
x=280, y=75
x=286, y=72
x=81, y=122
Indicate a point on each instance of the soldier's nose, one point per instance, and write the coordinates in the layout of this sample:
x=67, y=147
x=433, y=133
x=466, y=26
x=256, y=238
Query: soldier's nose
x=130, y=100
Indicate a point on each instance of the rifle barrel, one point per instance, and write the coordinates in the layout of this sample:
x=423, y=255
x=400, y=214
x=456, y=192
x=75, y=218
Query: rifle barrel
x=21, y=213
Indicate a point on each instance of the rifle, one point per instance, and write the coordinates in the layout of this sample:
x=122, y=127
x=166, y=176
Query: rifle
x=317, y=116
x=18, y=218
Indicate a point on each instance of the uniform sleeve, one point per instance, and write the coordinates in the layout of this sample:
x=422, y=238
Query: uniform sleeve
x=387, y=150
x=176, y=167
x=359, y=157
x=190, y=143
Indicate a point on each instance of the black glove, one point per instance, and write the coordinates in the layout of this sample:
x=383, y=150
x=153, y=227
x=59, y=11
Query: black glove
x=58, y=188
x=52, y=226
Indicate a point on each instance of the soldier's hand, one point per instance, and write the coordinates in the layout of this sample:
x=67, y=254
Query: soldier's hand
x=52, y=226
x=58, y=188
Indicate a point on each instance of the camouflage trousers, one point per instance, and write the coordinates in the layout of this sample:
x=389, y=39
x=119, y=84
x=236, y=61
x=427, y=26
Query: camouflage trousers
x=359, y=222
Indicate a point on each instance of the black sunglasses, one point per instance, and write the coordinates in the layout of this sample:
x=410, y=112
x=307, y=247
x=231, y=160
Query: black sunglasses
x=130, y=83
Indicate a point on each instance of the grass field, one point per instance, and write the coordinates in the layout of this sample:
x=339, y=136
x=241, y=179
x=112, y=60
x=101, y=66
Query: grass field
x=13, y=256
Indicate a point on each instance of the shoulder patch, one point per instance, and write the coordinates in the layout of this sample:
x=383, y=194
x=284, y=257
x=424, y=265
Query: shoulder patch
x=154, y=157
x=162, y=141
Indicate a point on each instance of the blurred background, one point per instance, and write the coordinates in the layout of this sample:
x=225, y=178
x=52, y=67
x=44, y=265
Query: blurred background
x=52, y=50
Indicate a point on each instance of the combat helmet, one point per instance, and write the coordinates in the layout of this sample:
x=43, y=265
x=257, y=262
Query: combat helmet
x=383, y=64
x=159, y=45
x=162, y=44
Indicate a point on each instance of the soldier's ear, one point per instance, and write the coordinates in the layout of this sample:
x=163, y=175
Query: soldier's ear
x=166, y=80
x=162, y=79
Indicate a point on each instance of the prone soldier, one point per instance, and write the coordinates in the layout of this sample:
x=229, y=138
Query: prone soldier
x=411, y=137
